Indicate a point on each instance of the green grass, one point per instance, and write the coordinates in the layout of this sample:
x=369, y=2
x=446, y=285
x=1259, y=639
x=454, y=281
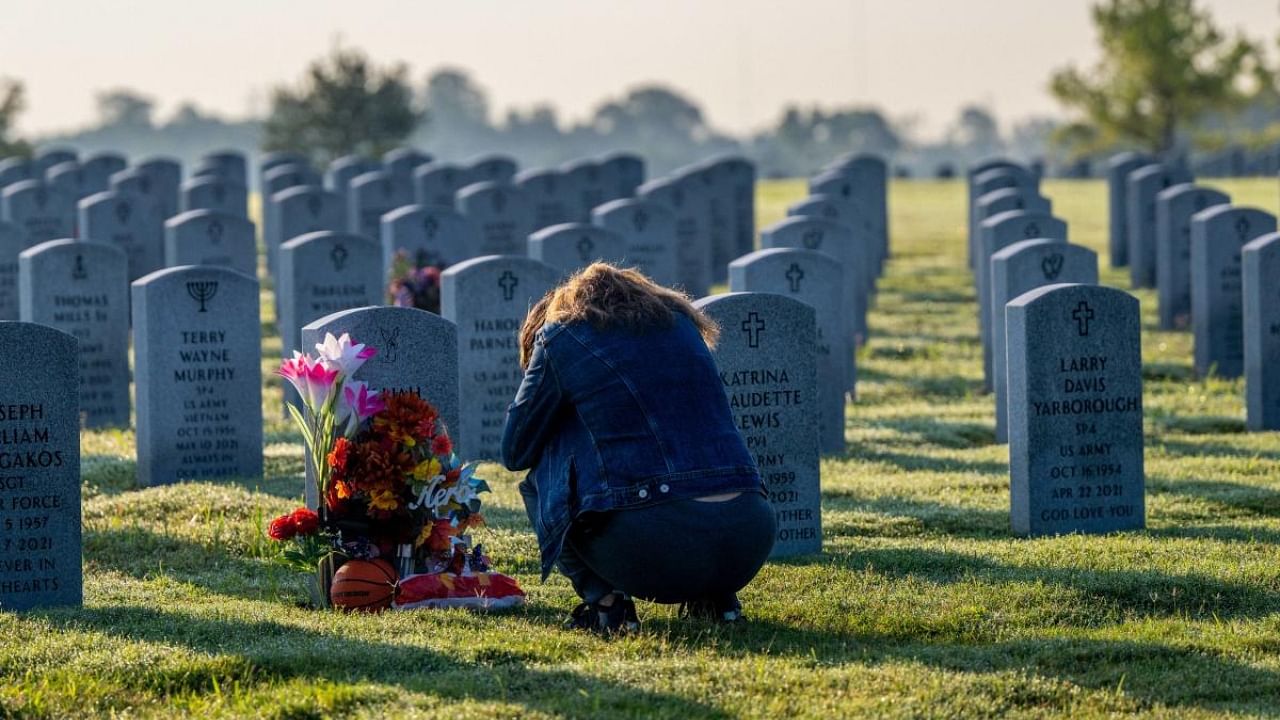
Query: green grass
x=921, y=605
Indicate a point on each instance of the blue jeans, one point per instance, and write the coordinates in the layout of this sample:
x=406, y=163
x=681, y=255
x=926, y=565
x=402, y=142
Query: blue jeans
x=678, y=551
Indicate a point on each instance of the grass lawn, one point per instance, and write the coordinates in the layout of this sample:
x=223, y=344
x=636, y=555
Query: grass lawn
x=921, y=605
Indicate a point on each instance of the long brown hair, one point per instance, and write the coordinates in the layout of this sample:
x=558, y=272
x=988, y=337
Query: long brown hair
x=611, y=297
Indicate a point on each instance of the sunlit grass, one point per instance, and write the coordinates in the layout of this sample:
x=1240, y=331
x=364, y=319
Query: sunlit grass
x=922, y=605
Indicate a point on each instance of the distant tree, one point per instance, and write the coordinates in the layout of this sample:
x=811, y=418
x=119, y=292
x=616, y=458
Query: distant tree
x=454, y=101
x=126, y=108
x=976, y=131
x=343, y=105
x=1164, y=64
x=12, y=103
x=651, y=112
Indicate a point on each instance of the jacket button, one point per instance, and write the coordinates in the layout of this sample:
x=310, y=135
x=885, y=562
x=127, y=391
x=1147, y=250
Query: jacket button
x=665, y=487
x=643, y=493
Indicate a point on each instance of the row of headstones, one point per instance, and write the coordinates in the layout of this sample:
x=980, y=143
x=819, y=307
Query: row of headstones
x=678, y=230
x=1210, y=263
x=1076, y=460
x=1063, y=356
x=101, y=199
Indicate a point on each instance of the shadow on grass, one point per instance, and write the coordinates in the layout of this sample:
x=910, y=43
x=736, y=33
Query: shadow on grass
x=914, y=462
x=1257, y=499
x=935, y=518
x=262, y=652
x=1143, y=671
x=1198, y=424
x=1217, y=450
x=1125, y=593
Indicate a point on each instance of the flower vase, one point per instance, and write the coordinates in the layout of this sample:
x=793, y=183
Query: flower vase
x=325, y=570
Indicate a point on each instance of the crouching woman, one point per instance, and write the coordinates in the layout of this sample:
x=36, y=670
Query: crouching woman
x=640, y=485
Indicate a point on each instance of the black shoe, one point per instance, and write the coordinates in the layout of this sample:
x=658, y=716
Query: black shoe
x=726, y=610
x=619, y=618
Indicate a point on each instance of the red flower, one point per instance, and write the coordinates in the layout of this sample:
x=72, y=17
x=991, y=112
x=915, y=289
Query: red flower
x=441, y=446
x=305, y=521
x=282, y=528
x=338, y=456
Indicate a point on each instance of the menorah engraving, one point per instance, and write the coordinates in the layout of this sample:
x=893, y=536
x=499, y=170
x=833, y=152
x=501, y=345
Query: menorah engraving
x=202, y=291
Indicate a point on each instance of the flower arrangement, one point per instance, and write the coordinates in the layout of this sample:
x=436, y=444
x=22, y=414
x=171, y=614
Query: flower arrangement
x=387, y=479
x=415, y=283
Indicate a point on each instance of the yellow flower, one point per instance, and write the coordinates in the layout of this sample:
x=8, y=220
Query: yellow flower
x=427, y=469
x=384, y=500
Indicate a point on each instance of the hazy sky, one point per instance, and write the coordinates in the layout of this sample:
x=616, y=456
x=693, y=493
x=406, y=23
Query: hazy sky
x=741, y=59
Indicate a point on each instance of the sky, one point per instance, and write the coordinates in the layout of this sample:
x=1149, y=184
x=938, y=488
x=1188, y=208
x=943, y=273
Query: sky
x=741, y=60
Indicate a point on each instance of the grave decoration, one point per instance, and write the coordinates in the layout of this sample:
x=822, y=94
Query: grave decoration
x=392, y=494
x=415, y=282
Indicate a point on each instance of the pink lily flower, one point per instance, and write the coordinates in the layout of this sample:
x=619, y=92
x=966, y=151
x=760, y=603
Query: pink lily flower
x=358, y=403
x=313, y=381
x=339, y=353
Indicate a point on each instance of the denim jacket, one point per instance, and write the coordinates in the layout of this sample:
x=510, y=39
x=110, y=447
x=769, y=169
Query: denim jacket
x=614, y=419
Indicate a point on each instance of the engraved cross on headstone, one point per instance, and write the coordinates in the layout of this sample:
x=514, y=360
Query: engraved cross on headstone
x=753, y=326
x=1082, y=315
x=508, y=283
x=794, y=276
x=586, y=246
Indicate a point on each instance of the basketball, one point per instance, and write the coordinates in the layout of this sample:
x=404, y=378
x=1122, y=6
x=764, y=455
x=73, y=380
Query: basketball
x=364, y=585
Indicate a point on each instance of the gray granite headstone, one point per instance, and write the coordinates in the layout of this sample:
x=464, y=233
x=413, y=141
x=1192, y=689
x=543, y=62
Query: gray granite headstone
x=401, y=163
x=1174, y=208
x=211, y=237
x=488, y=298
x=836, y=240
x=868, y=176
x=1261, y=259
x=715, y=191
x=11, y=244
x=829, y=207
x=1145, y=184
x=305, y=209
x=272, y=160
x=999, y=178
x=82, y=289
x=571, y=247
x=693, y=248
x=767, y=357
x=1015, y=198
x=995, y=234
x=14, y=170
x=229, y=164
x=345, y=169
x=417, y=352
x=48, y=158
x=545, y=191
x=1075, y=411
x=1017, y=269
x=491, y=168
x=38, y=211
x=437, y=183
x=198, y=375
x=648, y=231
x=215, y=193
x=371, y=196
x=68, y=178
x=97, y=169
x=500, y=214
x=322, y=273
x=129, y=221
x=275, y=181
x=1217, y=299
x=742, y=181
x=584, y=188
x=621, y=173
x=39, y=470
x=428, y=235
x=1118, y=169
x=818, y=280
x=166, y=183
